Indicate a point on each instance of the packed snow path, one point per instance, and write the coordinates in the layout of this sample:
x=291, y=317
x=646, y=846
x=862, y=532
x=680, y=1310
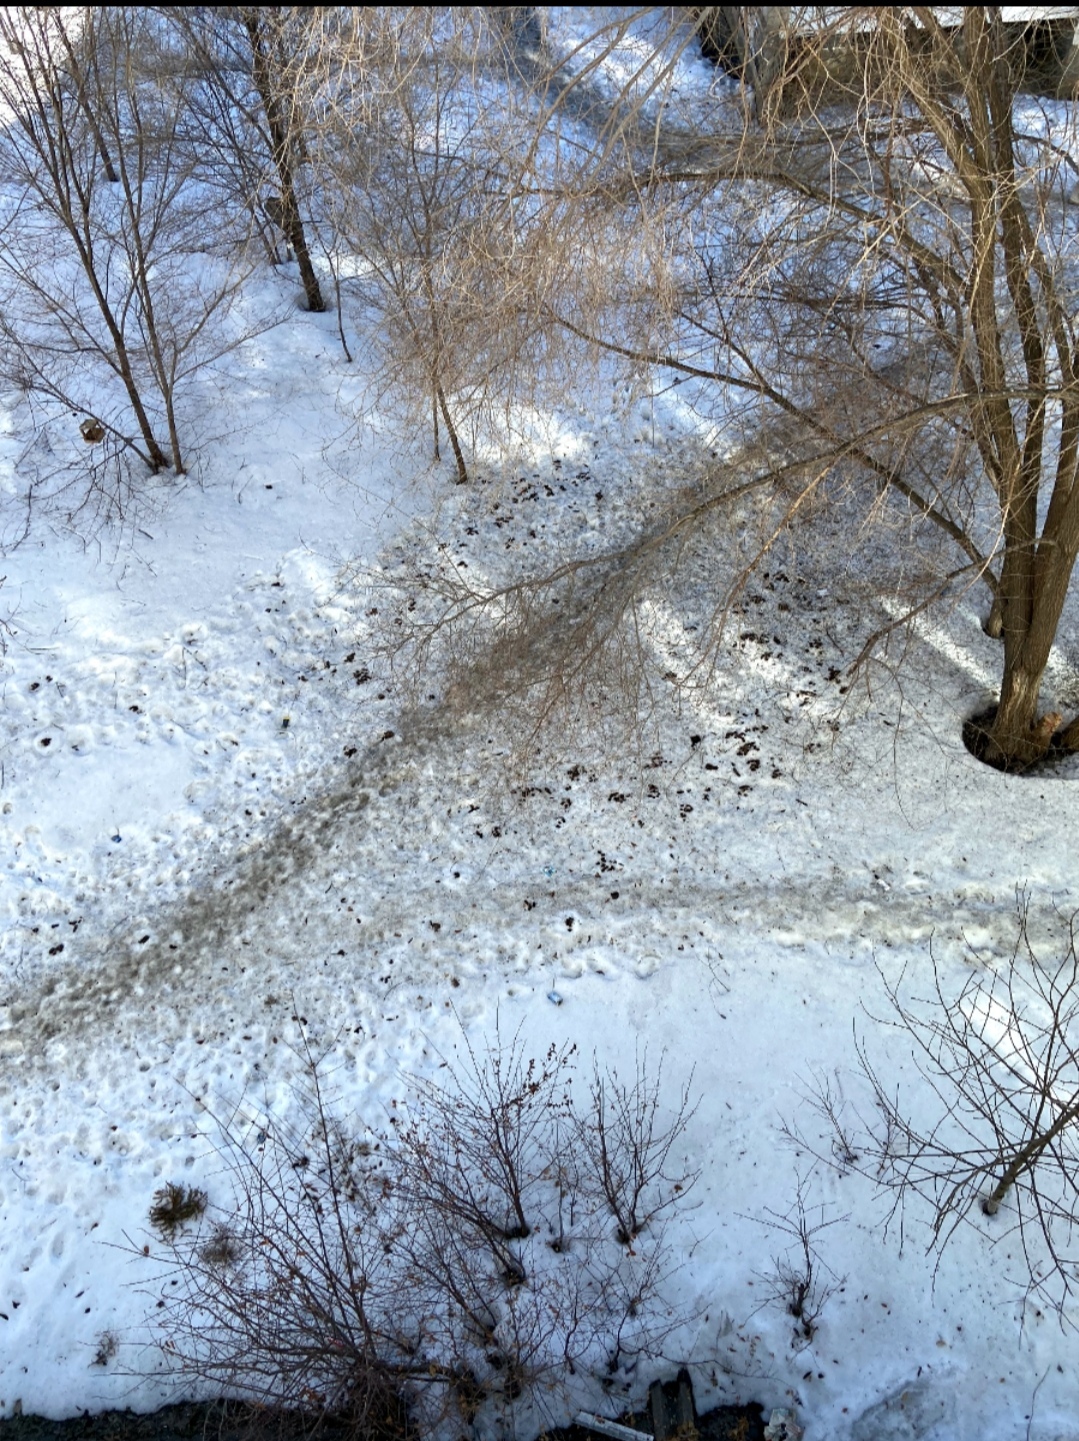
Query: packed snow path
x=412, y=844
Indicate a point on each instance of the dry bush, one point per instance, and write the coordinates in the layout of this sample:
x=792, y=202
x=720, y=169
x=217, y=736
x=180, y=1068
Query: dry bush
x=458, y=1263
x=799, y=1279
x=628, y=1144
x=421, y=177
x=173, y=1206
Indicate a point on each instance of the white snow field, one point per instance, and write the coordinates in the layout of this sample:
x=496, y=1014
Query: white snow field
x=230, y=830
x=184, y=875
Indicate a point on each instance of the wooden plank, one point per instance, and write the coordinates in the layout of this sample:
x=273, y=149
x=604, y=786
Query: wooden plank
x=610, y=1428
x=674, y=1412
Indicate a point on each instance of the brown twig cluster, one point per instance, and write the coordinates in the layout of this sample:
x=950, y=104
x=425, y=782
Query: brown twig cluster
x=493, y=1246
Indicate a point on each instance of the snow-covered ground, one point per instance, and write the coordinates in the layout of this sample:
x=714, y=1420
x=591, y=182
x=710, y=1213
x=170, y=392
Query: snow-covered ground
x=185, y=873
x=219, y=816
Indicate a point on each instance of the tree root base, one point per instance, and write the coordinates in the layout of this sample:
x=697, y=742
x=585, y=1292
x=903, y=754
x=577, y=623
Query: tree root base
x=1048, y=743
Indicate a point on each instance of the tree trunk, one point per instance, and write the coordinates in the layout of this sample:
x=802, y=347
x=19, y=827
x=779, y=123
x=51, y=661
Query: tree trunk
x=1028, y=1158
x=297, y=238
x=1032, y=604
x=155, y=456
x=1018, y=736
x=451, y=430
x=280, y=139
x=993, y=625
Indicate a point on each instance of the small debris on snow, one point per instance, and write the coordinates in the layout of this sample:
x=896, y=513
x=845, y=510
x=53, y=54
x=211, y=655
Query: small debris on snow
x=782, y=1426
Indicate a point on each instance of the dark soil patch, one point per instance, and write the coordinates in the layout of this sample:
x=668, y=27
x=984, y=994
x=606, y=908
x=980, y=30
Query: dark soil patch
x=218, y=1421
x=976, y=740
x=733, y=1423
x=725, y=1423
x=186, y=1421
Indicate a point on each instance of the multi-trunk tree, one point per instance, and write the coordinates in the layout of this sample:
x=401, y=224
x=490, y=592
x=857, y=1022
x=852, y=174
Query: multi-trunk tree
x=876, y=265
x=104, y=311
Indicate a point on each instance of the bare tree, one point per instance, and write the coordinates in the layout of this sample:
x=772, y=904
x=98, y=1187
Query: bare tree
x=96, y=278
x=51, y=153
x=421, y=184
x=244, y=120
x=993, y=1129
x=276, y=37
x=222, y=122
x=877, y=296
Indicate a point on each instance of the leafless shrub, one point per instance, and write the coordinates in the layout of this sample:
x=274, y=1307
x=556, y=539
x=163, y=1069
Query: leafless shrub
x=421, y=185
x=828, y=1100
x=454, y=1264
x=476, y=1158
x=991, y=1139
x=799, y=1280
x=294, y=1321
x=628, y=1141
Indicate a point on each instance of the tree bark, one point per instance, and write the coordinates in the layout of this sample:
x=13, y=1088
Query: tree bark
x=1027, y=1158
x=451, y=430
x=1018, y=736
x=280, y=139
